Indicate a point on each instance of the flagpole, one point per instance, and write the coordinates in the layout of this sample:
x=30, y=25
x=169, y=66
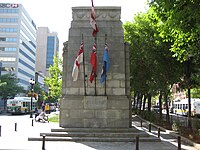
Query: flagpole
x=84, y=67
x=105, y=65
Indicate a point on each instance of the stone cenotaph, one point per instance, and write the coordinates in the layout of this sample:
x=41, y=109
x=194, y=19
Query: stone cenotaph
x=96, y=105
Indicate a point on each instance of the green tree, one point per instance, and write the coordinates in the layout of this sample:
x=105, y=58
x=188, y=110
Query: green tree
x=153, y=69
x=180, y=24
x=11, y=88
x=54, y=81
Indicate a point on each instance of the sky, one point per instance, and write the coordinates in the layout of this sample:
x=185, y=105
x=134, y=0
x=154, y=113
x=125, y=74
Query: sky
x=57, y=14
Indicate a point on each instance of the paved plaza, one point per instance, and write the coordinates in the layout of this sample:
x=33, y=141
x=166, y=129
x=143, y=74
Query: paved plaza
x=18, y=140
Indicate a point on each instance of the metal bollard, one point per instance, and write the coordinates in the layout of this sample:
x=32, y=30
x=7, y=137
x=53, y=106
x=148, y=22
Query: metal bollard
x=43, y=142
x=0, y=130
x=137, y=143
x=15, y=126
x=32, y=122
x=179, y=143
x=150, y=127
x=141, y=123
x=158, y=132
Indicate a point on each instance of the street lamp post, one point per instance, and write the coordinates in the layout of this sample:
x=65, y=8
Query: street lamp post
x=32, y=82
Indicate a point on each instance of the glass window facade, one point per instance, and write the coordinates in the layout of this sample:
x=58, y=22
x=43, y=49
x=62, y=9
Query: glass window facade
x=50, y=50
x=28, y=48
x=25, y=73
x=27, y=56
x=8, y=20
x=14, y=30
x=11, y=49
x=27, y=65
x=8, y=39
x=9, y=11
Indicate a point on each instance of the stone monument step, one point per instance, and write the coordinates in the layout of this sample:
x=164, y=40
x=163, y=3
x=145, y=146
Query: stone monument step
x=107, y=130
x=96, y=139
x=96, y=134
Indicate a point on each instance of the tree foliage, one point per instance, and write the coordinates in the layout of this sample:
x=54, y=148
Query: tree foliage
x=180, y=25
x=153, y=68
x=54, y=80
x=11, y=87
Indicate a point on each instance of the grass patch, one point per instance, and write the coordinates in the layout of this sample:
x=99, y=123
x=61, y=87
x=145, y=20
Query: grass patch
x=54, y=118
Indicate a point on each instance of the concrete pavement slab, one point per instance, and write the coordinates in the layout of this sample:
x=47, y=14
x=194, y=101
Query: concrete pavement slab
x=18, y=140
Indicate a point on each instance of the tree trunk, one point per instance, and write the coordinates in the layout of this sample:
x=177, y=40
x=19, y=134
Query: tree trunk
x=167, y=106
x=144, y=102
x=140, y=103
x=160, y=106
x=189, y=110
x=134, y=100
x=137, y=100
x=149, y=102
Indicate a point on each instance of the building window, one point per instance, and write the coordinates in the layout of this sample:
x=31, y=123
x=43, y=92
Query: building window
x=7, y=69
x=50, y=50
x=11, y=39
x=9, y=20
x=7, y=59
x=9, y=11
x=24, y=82
x=27, y=65
x=8, y=39
x=11, y=49
x=27, y=56
x=14, y=30
x=25, y=73
x=27, y=47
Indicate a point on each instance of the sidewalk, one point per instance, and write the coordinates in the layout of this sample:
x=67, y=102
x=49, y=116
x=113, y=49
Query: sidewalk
x=18, y=140
x=167, y=137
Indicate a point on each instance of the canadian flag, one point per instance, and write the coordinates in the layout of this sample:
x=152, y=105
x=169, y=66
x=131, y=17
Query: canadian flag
x=77, y=62
x=92, y=21
x=93, y=62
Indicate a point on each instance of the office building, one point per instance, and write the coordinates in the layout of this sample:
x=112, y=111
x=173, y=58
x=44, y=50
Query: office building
x=17, y=42
x=47, y=47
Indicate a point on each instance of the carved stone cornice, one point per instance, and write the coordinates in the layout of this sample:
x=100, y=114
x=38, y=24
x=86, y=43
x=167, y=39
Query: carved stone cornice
x=101, y=13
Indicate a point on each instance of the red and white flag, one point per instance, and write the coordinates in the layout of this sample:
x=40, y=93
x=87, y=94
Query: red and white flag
x=92, y=21
x=77, y=62
x=93, y=62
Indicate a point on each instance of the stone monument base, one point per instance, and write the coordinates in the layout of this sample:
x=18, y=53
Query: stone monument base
x=95, y=112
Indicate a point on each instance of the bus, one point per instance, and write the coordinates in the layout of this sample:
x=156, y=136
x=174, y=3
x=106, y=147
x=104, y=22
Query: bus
x=180, y=107
x=21, y=105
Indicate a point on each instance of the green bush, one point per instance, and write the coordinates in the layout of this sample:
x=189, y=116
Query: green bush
x=176, y=126
x=196, y=124
x=150, y=116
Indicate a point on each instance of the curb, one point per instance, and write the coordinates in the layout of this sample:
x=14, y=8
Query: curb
x=174, y=134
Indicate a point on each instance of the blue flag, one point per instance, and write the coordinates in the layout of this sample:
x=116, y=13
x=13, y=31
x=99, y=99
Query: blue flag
x=106, y=65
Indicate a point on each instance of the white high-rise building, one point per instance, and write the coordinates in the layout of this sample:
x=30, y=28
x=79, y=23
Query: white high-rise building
x=17, y=42
x=47, y=46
